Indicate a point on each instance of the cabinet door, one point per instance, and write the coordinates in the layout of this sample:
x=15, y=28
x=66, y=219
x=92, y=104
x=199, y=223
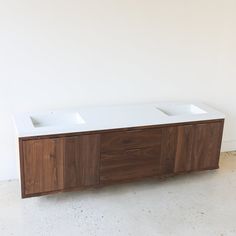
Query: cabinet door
x=168, y=150
x=42, y=165
x=185, y=141
x=207, y=144
x=191, y=147
x=81, y=161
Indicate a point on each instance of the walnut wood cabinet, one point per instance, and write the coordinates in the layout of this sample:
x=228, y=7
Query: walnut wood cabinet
x=76, y=161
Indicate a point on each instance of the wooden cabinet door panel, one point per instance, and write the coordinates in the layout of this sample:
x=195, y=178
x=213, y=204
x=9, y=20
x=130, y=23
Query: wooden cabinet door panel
x=168, y=150
x=185, y=141
x=207, y=144
x=54, y=164
x=191, y=147
x=43, y=165
x=81, y=161
x=72, y=162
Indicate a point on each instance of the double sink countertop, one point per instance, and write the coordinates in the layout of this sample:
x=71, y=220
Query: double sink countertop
x=111, y=117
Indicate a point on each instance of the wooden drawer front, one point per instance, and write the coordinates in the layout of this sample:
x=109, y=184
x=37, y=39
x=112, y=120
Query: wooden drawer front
x=124, y=140
x=130, y=164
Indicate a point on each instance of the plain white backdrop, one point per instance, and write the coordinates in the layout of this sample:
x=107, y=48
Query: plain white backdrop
x=64, y=54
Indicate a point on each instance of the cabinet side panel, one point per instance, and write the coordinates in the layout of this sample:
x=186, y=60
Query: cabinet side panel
x=43, y=165
x=168, y=150
x=22, y=176
x=219, y=138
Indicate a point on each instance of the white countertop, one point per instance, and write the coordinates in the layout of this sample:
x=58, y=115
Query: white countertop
x=111, y=117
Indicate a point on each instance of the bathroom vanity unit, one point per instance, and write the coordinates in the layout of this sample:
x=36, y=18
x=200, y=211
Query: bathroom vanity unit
x=96, y=146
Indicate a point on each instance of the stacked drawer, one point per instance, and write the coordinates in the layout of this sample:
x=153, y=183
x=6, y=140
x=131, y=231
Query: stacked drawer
x=131, y=154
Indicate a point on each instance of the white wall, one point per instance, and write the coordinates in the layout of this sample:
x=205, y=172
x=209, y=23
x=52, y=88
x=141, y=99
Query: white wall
x=66, y=53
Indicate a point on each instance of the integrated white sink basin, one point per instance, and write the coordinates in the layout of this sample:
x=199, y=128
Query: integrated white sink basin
x=58, y=118
x=86, y=119
x=180, y=109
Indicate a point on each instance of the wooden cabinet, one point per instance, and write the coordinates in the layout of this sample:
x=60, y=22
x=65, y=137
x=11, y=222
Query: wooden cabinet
x=66, y=162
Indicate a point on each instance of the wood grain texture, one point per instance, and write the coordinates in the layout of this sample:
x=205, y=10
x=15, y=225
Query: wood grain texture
x=168, y=150
x=207, y=144
x=72, y=162
x=81, y=161
x=184, y=148
x=22, y=172
x=130, y=164
x=116, y=141
x=43, y=165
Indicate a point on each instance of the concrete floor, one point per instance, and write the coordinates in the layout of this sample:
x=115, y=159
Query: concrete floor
x=194, y=204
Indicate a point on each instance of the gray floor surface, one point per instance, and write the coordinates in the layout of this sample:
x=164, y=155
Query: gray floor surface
x=193, y=204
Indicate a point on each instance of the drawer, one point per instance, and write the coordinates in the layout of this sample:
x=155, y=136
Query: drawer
x=124, y=140
x=130, y=164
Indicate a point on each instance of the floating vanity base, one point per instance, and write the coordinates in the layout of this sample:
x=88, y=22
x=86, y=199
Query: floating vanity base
x=72, y=161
